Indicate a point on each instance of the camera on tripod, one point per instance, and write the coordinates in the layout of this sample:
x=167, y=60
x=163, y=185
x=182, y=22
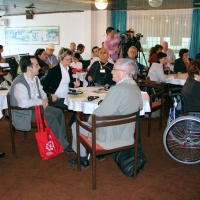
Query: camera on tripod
x=124, y=35
x=138, y=36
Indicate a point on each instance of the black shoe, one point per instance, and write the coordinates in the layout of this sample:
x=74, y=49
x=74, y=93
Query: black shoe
x=2, y=154
x=69, y=150
x=100, y=158
x=74, y=162
x=6, y=117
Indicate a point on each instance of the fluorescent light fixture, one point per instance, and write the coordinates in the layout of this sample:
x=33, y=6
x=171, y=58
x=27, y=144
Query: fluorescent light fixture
x=101, y=4
x=155, y=3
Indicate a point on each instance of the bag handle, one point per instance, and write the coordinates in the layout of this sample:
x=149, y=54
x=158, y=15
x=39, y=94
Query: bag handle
x=40, y=124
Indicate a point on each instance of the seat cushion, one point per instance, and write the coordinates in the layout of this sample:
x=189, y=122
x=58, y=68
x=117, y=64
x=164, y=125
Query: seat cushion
x=109, y=145
x=155, y=104
x=98, y=147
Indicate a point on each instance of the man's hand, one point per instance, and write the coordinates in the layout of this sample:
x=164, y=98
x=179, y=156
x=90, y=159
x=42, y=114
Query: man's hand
x=44, y=103
x=146, y=68
x=54, y=97
x=116, y=49
x=90, y=79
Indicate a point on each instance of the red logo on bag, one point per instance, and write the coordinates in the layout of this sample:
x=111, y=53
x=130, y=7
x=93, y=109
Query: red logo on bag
x=50, y=146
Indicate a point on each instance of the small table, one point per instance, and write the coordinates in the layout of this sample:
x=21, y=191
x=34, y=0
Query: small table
x=3, y=101
x=80, y=103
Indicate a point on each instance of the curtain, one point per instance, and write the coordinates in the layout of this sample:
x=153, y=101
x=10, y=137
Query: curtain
x=195, y=34
x=156, y=26
x=118, y=20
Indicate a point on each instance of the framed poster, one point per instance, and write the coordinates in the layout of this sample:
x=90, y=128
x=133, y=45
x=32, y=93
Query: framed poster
x=32, y=35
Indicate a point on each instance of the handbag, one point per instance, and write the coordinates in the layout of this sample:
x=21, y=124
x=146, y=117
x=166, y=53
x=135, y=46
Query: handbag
x=125, y=161
x=48, y=144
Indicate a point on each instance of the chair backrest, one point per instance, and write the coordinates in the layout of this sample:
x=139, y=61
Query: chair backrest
x=104, y=121
x=13, y=66
x=10, y=107
x=85, y=63
x=23, y=54
x=153, y=88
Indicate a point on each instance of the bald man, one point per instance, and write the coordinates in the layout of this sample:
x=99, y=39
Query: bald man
x=170, y=53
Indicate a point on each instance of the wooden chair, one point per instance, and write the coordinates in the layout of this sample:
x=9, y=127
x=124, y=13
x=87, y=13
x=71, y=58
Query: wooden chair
x=155, y=91
x=12, y=128
x=95, y=149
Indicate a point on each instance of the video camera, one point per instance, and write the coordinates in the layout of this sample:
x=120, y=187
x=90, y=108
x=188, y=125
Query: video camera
x=138, y=36
x=123, y=35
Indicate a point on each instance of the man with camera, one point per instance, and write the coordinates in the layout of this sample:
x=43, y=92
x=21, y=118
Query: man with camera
x=134, y=41
x=113, y=44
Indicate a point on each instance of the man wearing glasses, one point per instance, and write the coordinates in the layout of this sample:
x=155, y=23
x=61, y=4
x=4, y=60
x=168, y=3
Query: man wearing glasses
x=123, y=98
x=26, y=91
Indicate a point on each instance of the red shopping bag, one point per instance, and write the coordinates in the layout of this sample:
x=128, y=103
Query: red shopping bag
x=48, y=144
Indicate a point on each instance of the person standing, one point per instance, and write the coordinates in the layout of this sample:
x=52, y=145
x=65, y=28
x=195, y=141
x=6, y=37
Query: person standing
x=51, y=58
x=170, y=53
x=113, y=44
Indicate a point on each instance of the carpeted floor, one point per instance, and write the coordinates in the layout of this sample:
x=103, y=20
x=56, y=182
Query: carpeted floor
x=26, y=177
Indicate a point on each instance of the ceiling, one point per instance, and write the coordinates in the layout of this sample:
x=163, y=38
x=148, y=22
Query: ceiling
x=17, y=7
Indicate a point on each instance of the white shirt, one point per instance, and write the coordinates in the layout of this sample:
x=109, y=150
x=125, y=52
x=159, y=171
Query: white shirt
x=156, y=73
x=170, y=54
x=77, y=65
x=97, y=59
x=21, y=93
x=63, y=88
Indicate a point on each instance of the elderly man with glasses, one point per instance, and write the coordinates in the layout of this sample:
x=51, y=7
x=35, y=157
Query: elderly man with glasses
x=123, y=98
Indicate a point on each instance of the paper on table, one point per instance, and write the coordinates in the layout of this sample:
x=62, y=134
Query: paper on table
x=78, y=96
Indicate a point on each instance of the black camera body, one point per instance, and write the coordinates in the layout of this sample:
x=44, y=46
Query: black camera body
x=138, y=36
x=91, y=98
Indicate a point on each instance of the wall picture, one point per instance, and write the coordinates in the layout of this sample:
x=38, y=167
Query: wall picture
x=32, y=35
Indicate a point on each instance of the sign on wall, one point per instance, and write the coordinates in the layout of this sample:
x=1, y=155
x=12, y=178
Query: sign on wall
x=32, y=35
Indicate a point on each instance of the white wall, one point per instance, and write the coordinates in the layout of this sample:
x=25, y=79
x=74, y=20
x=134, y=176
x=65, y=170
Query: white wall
x=86, y=27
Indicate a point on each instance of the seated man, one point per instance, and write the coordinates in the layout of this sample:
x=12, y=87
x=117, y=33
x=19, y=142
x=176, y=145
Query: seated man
x=123, y=98
x=51, y=58
x=132, y=54
x=100, y=71
x=26, y=91
x=80, y=50
x=95, y=51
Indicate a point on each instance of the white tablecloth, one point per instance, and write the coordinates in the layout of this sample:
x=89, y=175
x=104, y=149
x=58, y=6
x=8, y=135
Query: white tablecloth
x=81, y=76
x=87, y=107
x=180, y=80
x=3, y=101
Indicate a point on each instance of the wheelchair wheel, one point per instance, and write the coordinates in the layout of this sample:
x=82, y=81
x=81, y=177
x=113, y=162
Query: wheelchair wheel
x=181, y=139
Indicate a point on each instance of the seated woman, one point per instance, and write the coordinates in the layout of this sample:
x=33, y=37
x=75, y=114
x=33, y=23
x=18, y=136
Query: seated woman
x=59, y=79
x=41, y=56
x=191, y=88
x=181, y=64
x=156, y=72
x=153, y=53
x=76, y=64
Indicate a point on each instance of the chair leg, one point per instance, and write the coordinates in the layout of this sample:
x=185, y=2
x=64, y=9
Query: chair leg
x=160, y=120
x=12, y=131
x=25, y=135
x=135, y=162
x=94, y=172
x=149, y=125
x=78, y=155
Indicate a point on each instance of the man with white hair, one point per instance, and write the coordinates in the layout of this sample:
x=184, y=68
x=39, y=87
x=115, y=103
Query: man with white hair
x=73, y=47
x=170, y=53
x=51, y=58
x=123, y=98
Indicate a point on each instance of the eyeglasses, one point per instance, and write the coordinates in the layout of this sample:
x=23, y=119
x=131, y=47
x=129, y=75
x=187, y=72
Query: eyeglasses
x=118, y=69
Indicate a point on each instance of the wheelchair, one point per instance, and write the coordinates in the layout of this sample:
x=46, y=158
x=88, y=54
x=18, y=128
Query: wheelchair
x=181, y=137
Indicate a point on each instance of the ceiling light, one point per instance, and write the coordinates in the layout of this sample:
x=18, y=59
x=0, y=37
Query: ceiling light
x=155, y=3
x=2, y=12
x=101, y=4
